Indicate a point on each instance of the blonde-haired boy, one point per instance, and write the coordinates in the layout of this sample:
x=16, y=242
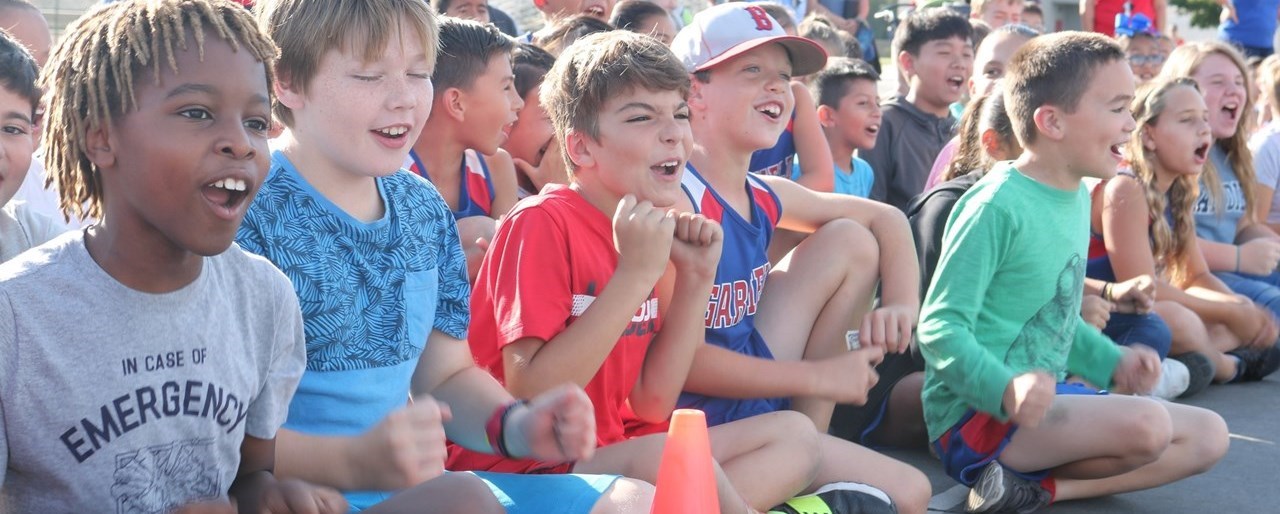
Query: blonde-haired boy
x=374, y=257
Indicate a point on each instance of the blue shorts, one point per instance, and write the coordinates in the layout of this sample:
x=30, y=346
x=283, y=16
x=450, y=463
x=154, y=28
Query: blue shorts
x=529, y=494
x=523, y=494
x=979, y=438
x=1264, y=290
x=724, y=410
x=1145, y=329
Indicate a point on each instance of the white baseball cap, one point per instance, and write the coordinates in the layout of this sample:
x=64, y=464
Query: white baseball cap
x=728, y=30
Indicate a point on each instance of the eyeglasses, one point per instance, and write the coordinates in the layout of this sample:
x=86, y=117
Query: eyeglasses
x=1141, y=60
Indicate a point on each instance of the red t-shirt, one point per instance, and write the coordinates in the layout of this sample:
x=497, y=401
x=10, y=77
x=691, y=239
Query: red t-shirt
x=550, y=258
x=1105, y=11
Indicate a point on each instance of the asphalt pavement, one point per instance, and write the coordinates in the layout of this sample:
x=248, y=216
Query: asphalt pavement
x=1247, y=480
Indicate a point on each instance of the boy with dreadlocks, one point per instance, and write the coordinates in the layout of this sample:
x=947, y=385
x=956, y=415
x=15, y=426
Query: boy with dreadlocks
x=145, y=362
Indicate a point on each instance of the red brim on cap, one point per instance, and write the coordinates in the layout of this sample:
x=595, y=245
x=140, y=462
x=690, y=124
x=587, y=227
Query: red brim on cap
x=806, y=56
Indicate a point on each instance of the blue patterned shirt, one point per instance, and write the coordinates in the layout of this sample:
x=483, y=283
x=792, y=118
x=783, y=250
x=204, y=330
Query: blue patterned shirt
x=370, y=293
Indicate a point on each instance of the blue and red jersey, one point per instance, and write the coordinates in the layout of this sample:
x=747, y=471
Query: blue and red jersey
x=740, y=279
x=476, y=197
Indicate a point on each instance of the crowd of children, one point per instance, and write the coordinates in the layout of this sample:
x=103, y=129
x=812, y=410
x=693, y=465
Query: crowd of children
x=325, y=256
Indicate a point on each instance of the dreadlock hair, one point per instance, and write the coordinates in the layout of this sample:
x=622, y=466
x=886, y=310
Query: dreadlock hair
x=1169, y=244
x=90, y=77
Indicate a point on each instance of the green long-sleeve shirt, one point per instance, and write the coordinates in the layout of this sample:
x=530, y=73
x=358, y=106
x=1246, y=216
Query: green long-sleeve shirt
x=1005, y=298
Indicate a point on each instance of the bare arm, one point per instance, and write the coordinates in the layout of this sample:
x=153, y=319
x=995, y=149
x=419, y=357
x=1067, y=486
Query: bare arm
x=1262, y=204
x=1127, y=234
x=806, y=211
x=257, y=490
x=257, y=461
x=1086, y=14
x=721, y=372
x=643, y=236
x=386, y=457
x=502, y=171
x=683, y=293
x=447, y=372
x=574, y=355
x=1162, y=15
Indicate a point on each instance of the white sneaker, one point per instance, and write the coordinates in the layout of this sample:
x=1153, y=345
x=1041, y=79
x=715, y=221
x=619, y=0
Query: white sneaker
x=1175, y=378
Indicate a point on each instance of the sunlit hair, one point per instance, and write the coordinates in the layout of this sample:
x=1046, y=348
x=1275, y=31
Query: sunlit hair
x=306, y=30
x=1184, y=62
x=1170, y=244
x=606, y=65
x=91, y=72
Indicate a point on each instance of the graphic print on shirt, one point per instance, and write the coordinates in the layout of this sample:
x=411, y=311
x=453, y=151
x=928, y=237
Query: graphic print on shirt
x=158, y=479
x=1232, y=200
x=642, y=322
x=354, y=283
x=1048, y=334
x=730, y=302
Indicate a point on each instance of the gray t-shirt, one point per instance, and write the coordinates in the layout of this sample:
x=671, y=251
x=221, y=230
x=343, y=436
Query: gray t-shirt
x=1220, y=224
x=114, y=400
x=1265, y=145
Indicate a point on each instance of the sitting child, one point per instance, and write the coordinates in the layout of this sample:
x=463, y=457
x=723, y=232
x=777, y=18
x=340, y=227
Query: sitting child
x=147, y=361
x=849, y=112
x=21, y=228
x=1013, y=263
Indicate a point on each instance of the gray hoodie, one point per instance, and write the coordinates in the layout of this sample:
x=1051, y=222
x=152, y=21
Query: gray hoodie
x=908, y=142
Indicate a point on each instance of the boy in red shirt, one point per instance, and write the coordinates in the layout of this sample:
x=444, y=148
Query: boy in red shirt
x=601, y=284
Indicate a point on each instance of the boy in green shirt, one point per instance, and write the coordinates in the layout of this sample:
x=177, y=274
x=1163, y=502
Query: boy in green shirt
x=1001, y=326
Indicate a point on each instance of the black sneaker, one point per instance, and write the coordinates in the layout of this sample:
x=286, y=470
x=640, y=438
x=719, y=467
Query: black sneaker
x=1200, y=369
x=1257, y=363
x=840, y=498
x=998, y=491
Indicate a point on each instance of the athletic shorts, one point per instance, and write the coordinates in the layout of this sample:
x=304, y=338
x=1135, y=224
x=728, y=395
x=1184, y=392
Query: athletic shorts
x=979, y=438
x=857, y=422
x=523, y=494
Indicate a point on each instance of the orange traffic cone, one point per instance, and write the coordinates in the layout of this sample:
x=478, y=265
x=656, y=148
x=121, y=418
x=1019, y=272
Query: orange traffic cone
x=686, y=477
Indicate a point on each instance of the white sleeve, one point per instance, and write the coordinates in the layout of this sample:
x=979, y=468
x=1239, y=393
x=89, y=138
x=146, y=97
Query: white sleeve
x=1266, y=160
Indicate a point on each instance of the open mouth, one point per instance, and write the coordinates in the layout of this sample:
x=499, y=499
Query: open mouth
x=772, y=110
x=666, y=168
x=1232, y=111
x=393, y=132
x=872, y=130
x=595, y=11
x=955, y=81
x=1117, y=151
x=1202, y=153
x=228, y=193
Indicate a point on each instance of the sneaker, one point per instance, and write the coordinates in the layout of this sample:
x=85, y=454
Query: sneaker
x=840, y=498
x=999, y=491
x=1201, y=372
x=1257, y=363
x=1174, y=380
